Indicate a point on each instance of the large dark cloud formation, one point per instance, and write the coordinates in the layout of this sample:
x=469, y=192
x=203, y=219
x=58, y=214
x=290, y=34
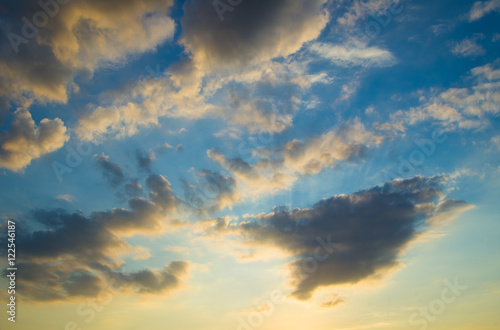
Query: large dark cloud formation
x=350, y=238
x=254, y=31
x=68, y=255
x=45, y=44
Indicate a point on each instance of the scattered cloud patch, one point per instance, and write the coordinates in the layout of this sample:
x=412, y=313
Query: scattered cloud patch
x=468, y=48
x=24, y=141
x=354, y=54
x=67, y=198
x=482, y=8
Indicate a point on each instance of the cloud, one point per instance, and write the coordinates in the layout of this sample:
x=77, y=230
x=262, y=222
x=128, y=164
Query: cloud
x=254, y=32
x=459, y=108
x=133, y=188
x=260, y=98
x=24, y=141
x=277, y=169
x=468, y=48
x=143, y=216
x=242, y=54
x=347, y=239
x=113, y=173
x=145, y=159
x=259, y=114
x=160, y=282
x=496, y=141
x=482, y=8
x=77, y=39
x=354, y=54
x=74, y=256
x=333, y=301
x=360, y=9
x=349, y=90
x=210, y=192
x=67, y=198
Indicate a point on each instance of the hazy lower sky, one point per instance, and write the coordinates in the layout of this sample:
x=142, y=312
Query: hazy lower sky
x=251, y=164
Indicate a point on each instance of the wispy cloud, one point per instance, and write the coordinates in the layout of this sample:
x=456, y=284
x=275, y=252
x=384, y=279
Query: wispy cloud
x=482, y=8
x=67, y=198
x=354, y=54
x=468, y=48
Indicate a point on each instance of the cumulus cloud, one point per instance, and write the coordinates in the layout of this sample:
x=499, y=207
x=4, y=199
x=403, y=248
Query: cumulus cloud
x=126, y=116
x=279, y=168
x=40, y=63
x=245, y=56
x=24, y=141
x=459, y=108
x=78, y=38
x=348, y=239
x=156, y=282
x=256, y=31
x=261, y=98
x=143, y=216
x=73, y=256
x=482, y=8
x=354, y=54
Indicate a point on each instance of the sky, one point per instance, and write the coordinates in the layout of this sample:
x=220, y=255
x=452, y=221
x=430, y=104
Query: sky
x=250, y=164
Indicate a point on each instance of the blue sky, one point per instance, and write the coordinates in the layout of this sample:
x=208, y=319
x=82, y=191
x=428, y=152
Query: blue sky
x=194, y=152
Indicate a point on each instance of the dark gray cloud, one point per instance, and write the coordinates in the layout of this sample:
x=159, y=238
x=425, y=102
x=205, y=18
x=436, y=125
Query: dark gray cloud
x=43, y=48
x=4, y=105
x=112, y=172
x=69, y=234
x=149, y=282
x=253, y=31
x=211, y=192
x=133, y=188
x=68, y=256
x=143, y=216
x=83, y=284
x=161, y=192
x=144, y=159
x=349, y=238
